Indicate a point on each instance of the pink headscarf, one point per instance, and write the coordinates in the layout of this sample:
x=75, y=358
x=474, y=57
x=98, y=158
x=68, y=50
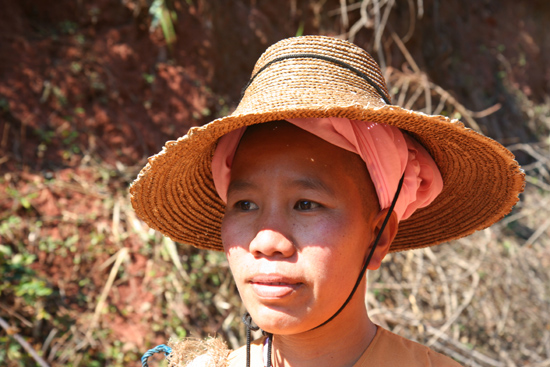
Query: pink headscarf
x=387, y=152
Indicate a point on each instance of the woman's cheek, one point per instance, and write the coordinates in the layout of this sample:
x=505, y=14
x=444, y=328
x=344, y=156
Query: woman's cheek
x=237, y=266
x=335, y=247
x=233, y=248
x=325, y=232
x=232, y=232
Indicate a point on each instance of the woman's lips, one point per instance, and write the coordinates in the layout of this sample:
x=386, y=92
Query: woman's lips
x=273, y=286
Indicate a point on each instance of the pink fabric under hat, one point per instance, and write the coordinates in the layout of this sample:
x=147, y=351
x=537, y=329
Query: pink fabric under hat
x=387, y=152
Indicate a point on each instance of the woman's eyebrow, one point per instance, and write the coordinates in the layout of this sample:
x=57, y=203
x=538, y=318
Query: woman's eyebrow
x=311, y=183
x=308, y=183
x=239, y=185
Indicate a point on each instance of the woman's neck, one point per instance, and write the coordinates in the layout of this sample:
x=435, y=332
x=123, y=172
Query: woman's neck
x=341, y=342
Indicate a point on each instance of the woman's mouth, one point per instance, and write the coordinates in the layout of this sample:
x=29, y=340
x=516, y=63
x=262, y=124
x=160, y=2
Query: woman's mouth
x=273, y=286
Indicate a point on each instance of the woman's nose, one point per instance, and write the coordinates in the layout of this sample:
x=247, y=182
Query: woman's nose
x=271, y=243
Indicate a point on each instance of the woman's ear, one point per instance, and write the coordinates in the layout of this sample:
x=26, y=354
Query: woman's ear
x=389, y=233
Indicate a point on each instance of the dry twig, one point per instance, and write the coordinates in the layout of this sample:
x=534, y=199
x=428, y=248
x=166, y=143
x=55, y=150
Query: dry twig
x=23, y=343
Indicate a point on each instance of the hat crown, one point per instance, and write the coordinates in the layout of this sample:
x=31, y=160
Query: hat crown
x=337, y=72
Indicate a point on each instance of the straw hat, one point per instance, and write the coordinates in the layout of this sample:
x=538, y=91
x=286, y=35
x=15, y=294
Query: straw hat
x=315, y=76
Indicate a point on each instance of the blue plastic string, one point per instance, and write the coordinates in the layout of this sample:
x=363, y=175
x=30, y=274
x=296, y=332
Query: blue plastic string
x=158, y=349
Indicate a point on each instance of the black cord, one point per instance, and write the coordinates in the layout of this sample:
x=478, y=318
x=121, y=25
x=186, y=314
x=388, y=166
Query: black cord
x=364, y=268
x=247, y=320
x=269, y=347
x=325, y=58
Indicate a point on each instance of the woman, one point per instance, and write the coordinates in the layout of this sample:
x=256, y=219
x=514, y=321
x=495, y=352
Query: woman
x=310, y=182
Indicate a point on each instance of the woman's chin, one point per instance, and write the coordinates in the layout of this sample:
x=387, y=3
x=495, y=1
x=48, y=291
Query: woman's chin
x=279, y=322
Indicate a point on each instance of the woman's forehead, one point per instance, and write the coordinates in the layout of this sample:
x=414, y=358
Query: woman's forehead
x=283, y=140
x=283, y=149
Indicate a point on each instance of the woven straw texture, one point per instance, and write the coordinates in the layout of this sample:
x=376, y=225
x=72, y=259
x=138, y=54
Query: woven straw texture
x=191, y=352
x=175, y=194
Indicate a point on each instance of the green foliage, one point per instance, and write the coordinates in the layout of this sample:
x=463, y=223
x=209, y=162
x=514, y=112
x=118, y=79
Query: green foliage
x=149, y=78
x=61, y=98
x=164, y=17
x=10, y=351
x=68, y=27
x=24, y=200
x=76, y=67
x=18, y=278
x=300, y=31
x=4, y=105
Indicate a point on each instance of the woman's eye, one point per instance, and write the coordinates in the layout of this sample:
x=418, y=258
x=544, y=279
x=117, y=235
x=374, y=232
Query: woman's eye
x=246, y=205
x=306, y=205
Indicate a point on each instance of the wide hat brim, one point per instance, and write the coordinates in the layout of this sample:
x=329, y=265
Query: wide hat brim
x=175, y=193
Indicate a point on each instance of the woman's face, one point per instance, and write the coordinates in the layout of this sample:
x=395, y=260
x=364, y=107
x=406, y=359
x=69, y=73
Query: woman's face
x=297, y=227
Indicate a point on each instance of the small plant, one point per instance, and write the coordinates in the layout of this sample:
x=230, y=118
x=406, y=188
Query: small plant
x=163, y=16
x=18, y=278
x=149, y=78
x=23, y=200
x=68, y=27
x=4, y=105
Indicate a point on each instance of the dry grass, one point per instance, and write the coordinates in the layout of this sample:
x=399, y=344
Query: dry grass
x=484, y=300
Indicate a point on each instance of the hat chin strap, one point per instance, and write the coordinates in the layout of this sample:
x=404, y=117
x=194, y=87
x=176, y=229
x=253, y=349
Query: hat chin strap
x=247, y=320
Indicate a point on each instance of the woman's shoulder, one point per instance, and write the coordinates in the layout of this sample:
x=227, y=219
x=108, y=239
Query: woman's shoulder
x=389, y=349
